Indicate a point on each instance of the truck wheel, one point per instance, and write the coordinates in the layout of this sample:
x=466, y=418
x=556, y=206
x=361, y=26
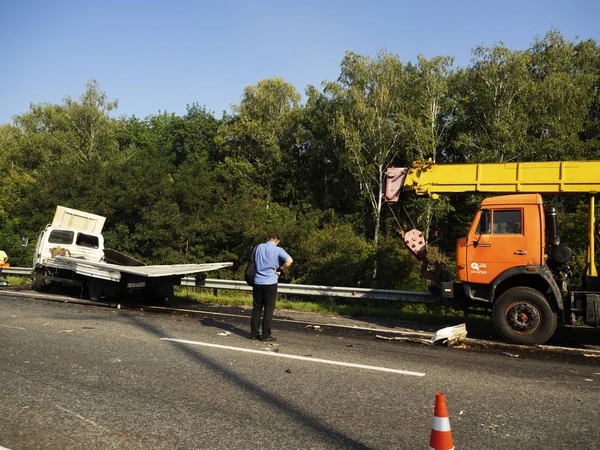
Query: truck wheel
x=94, y=289
x=39, y=284
x=523, y=315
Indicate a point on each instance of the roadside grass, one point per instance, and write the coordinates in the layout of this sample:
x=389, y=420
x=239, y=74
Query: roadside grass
x=411, y=312
x=18, y=281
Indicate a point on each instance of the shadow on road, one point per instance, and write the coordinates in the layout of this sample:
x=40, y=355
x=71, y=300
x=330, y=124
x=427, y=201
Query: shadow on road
x=209, y=322
x=328, y=434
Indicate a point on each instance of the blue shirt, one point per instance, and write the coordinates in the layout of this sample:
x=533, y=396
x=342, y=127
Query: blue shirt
x=267, y=258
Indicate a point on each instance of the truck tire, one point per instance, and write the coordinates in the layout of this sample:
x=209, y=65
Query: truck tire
x=94, y=289
x=522, y=315
x=39, y=284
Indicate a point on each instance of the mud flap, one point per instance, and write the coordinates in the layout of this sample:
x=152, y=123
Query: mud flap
x=592, y=310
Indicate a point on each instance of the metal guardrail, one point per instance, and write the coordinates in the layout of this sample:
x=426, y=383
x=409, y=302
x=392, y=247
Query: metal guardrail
x=325, y=291
x=16, y=270
x=295, y=289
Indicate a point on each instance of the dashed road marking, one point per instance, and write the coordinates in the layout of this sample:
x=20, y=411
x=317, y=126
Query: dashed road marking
x=14, y=328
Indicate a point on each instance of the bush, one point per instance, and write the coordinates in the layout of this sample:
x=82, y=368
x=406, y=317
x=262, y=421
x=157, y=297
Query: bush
x=334, y=256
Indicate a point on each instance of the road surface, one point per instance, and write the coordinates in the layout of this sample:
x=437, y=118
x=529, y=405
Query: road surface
x=78, y=376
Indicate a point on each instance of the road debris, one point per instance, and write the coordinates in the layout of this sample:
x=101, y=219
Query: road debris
x=406, y=338
x=450, y=335
x=224, y=333
x=512, y=355
x=314, y=327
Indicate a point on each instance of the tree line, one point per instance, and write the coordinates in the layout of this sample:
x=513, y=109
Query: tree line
x=197, y=188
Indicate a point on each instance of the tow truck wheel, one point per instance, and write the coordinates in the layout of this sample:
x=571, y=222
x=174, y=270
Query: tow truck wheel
x=39, y=284
x=94, y=289
x=523, y=315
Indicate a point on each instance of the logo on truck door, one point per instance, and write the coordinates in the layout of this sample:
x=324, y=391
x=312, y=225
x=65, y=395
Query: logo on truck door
x=479, y=268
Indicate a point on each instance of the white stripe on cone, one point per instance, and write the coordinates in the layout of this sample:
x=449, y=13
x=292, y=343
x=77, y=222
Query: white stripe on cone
x=441, y=424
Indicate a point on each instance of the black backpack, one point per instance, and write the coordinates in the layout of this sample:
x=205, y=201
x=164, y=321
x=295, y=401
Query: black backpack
x=249, y=273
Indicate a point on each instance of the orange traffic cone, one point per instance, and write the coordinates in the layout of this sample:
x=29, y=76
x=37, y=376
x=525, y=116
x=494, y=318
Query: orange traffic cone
x=441, y=436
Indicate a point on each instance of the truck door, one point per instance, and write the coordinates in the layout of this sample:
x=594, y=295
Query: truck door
x=496, y=242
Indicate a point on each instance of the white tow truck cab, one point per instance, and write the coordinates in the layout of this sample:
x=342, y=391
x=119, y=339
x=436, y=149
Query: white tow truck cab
x=72, y=233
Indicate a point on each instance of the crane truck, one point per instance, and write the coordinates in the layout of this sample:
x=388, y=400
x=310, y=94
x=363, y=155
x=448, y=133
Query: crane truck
x=70, y=251
x=512, y=260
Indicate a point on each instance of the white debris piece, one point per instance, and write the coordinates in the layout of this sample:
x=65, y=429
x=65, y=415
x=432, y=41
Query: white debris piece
x=451, y=335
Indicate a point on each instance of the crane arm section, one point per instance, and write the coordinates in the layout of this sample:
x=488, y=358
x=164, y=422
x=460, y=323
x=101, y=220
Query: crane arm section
x=430, y=179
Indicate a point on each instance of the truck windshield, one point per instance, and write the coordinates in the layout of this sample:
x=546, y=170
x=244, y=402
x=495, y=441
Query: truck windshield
x=61, y=237
x=87, y=240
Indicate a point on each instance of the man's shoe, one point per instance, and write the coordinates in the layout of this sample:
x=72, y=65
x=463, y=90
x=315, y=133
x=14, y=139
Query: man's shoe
x=268, y=338
x=255, y=338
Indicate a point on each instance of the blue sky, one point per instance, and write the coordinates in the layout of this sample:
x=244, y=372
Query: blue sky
x=160, y=56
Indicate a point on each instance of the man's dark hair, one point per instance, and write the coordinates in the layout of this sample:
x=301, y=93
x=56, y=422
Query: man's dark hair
x=273, y=236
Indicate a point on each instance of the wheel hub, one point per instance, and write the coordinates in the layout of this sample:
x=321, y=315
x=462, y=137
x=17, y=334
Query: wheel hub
x=523, y=317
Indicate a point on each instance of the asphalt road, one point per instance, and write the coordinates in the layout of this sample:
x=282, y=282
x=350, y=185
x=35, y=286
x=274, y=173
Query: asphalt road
x=78, y=376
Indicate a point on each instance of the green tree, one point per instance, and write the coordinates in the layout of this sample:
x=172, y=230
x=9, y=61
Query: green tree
x=75, y=132
x=322, y=180
x=430, y=111
x=565, y=78
x=491, y=121
x=253, y=142
x=366, y=98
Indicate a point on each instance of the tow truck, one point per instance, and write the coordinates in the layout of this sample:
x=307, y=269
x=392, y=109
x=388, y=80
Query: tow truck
x=512, y=260
x=70, y=251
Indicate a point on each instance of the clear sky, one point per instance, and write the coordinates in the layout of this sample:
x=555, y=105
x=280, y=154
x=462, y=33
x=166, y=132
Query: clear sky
x=162, y=55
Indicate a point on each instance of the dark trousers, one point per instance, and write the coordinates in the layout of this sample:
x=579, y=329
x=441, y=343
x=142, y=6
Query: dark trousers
x=264, y=297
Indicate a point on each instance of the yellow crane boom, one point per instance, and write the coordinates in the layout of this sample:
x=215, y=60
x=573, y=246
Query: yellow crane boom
x=428, y=178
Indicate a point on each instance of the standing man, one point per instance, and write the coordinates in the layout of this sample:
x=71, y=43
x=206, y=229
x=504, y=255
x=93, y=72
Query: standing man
x=270, y=261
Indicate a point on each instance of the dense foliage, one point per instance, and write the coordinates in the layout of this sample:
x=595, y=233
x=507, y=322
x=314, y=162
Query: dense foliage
x=197, y=188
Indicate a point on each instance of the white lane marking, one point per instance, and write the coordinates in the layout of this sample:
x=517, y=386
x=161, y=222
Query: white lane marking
x=14, y=328
x=80, y=417
x=302, y=358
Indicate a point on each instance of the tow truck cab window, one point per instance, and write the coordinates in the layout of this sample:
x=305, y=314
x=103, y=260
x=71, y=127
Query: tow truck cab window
x=86, y=240
x=61, y=237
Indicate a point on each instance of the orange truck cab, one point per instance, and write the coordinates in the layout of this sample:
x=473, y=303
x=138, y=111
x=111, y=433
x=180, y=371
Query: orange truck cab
x=507, y=232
